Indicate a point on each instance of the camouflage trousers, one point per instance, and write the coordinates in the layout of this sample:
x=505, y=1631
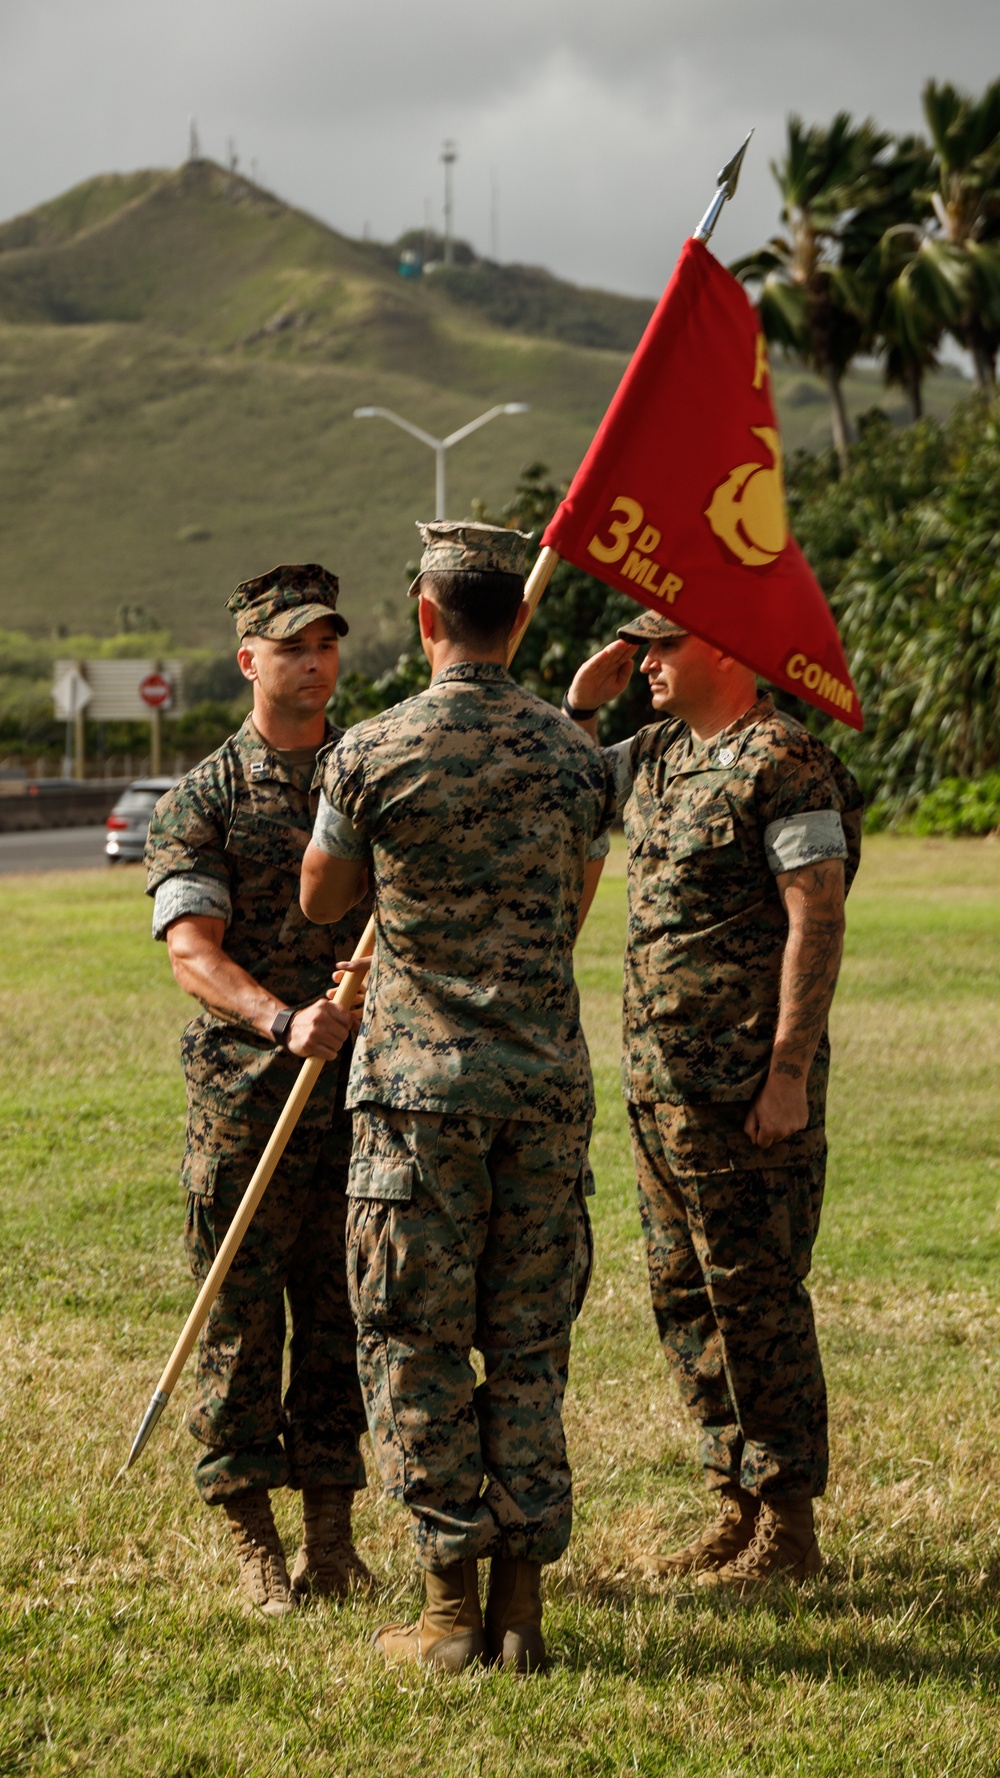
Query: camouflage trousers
x=729, y=1236
x=462, y=1232
x=294, y=1246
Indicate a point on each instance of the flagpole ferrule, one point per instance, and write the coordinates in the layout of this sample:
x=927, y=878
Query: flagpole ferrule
x=705, y=227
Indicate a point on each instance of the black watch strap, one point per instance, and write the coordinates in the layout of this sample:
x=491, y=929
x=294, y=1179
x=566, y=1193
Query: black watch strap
x=281, y=1024
x=577, y=715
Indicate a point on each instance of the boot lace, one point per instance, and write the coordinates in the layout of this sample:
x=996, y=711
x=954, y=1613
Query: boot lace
x=762, y=1544
x=255, y=1529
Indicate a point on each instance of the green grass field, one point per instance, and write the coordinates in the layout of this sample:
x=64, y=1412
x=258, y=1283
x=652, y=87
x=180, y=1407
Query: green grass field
x=123, y=1650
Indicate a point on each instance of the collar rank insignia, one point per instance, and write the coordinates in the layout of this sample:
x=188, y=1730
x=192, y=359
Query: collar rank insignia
x=258, y=769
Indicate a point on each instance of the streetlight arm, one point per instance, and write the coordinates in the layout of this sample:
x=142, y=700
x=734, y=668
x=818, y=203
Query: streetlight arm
x=386, y=413
x=440, y=445
x=473, y=426
x=505, y=407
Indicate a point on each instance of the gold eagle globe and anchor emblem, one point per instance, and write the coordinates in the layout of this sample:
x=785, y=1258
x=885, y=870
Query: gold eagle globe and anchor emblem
x=747, y=512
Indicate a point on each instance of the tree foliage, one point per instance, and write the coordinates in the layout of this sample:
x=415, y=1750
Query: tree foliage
x=829, y=183
x=888, y=244
x=907, y=548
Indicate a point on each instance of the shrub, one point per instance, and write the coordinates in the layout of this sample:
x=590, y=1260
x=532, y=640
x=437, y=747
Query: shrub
x=960, y=806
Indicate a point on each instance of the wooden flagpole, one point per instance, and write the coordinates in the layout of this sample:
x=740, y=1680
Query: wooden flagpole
x=534, y=587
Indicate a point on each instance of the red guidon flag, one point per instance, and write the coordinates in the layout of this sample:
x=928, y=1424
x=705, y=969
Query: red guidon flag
x=680, y=500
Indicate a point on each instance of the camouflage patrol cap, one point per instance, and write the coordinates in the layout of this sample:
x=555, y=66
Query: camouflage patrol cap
x=285, y=600
x=457, y=546
x=649, y=626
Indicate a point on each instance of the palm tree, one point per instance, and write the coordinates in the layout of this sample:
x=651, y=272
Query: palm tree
x=829, y=179
x=902, y=320
x=961, y=259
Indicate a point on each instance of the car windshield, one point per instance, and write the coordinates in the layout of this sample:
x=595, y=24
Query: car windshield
x=137, y=802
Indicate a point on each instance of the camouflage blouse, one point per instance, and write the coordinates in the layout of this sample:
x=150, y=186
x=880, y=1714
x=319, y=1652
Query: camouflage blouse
x=228, y=840
x=477, y=806
x=709, y=825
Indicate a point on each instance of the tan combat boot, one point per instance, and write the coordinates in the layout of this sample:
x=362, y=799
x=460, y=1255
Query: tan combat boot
x=327, y=1565
x=719, y=1543
x=263, y=1575
x=783, y=1547
x=514, y=1615
x=449, y=1631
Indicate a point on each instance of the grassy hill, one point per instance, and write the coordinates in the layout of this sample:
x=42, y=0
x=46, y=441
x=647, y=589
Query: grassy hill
x=180, y=356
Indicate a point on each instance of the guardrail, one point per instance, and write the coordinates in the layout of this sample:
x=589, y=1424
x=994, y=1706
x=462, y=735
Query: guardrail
x=59, y=804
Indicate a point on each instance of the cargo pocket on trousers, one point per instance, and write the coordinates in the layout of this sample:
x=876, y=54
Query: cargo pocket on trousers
x=386, y=1271
x=583, y=1264
x=198, y=1173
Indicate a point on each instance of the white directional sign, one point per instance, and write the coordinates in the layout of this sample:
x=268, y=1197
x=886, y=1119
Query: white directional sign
x=116, y=688
x=71, y=694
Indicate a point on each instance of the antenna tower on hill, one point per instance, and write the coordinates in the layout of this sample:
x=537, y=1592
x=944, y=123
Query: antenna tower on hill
x=449, y=155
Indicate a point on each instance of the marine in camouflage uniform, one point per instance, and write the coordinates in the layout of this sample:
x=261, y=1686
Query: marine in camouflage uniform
x=477, y=809
x=227, y=842
x=729, y=1226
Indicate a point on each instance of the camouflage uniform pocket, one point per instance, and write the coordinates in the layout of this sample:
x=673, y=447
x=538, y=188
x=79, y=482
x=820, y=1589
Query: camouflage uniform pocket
x=198, y=1174
x=386, y=1270
x=704, y=831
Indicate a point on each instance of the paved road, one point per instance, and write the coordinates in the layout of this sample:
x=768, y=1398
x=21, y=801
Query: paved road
x=53, y=848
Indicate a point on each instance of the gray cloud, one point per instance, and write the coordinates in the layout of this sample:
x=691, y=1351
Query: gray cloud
x=604, y=125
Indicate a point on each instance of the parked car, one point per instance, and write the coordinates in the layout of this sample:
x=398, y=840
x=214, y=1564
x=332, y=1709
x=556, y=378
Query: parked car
x=128, y=822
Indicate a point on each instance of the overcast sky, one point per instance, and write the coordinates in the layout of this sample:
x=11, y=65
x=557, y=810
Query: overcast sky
x=602, y=122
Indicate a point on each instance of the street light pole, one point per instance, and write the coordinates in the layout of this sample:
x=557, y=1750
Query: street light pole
x=440, y=445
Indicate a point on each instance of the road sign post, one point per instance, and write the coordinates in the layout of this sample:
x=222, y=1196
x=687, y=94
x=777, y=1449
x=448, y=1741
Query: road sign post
x=71, y=694
x=157, y=692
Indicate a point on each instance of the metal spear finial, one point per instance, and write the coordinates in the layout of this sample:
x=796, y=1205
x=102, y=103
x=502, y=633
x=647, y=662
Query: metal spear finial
x=726, y=185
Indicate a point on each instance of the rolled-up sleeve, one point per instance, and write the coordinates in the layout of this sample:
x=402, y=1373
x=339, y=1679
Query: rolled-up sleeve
x=793, y=841
x=189, y=894
x=335, y=834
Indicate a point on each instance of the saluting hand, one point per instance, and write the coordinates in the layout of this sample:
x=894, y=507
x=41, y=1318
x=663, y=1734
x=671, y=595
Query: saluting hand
x=602, y=677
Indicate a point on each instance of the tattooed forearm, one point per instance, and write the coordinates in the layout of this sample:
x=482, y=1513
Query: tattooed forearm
x=814, y=901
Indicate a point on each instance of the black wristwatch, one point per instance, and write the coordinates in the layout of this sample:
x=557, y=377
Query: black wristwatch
x=577, y=715
x=281, y=1024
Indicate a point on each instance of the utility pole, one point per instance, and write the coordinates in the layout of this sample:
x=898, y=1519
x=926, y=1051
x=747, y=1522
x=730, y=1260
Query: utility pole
x=449, y=155
x=440, y=445
x=194, y=146
x=494, y=217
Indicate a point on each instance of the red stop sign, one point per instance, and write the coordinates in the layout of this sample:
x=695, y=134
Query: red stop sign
x=157, y=691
